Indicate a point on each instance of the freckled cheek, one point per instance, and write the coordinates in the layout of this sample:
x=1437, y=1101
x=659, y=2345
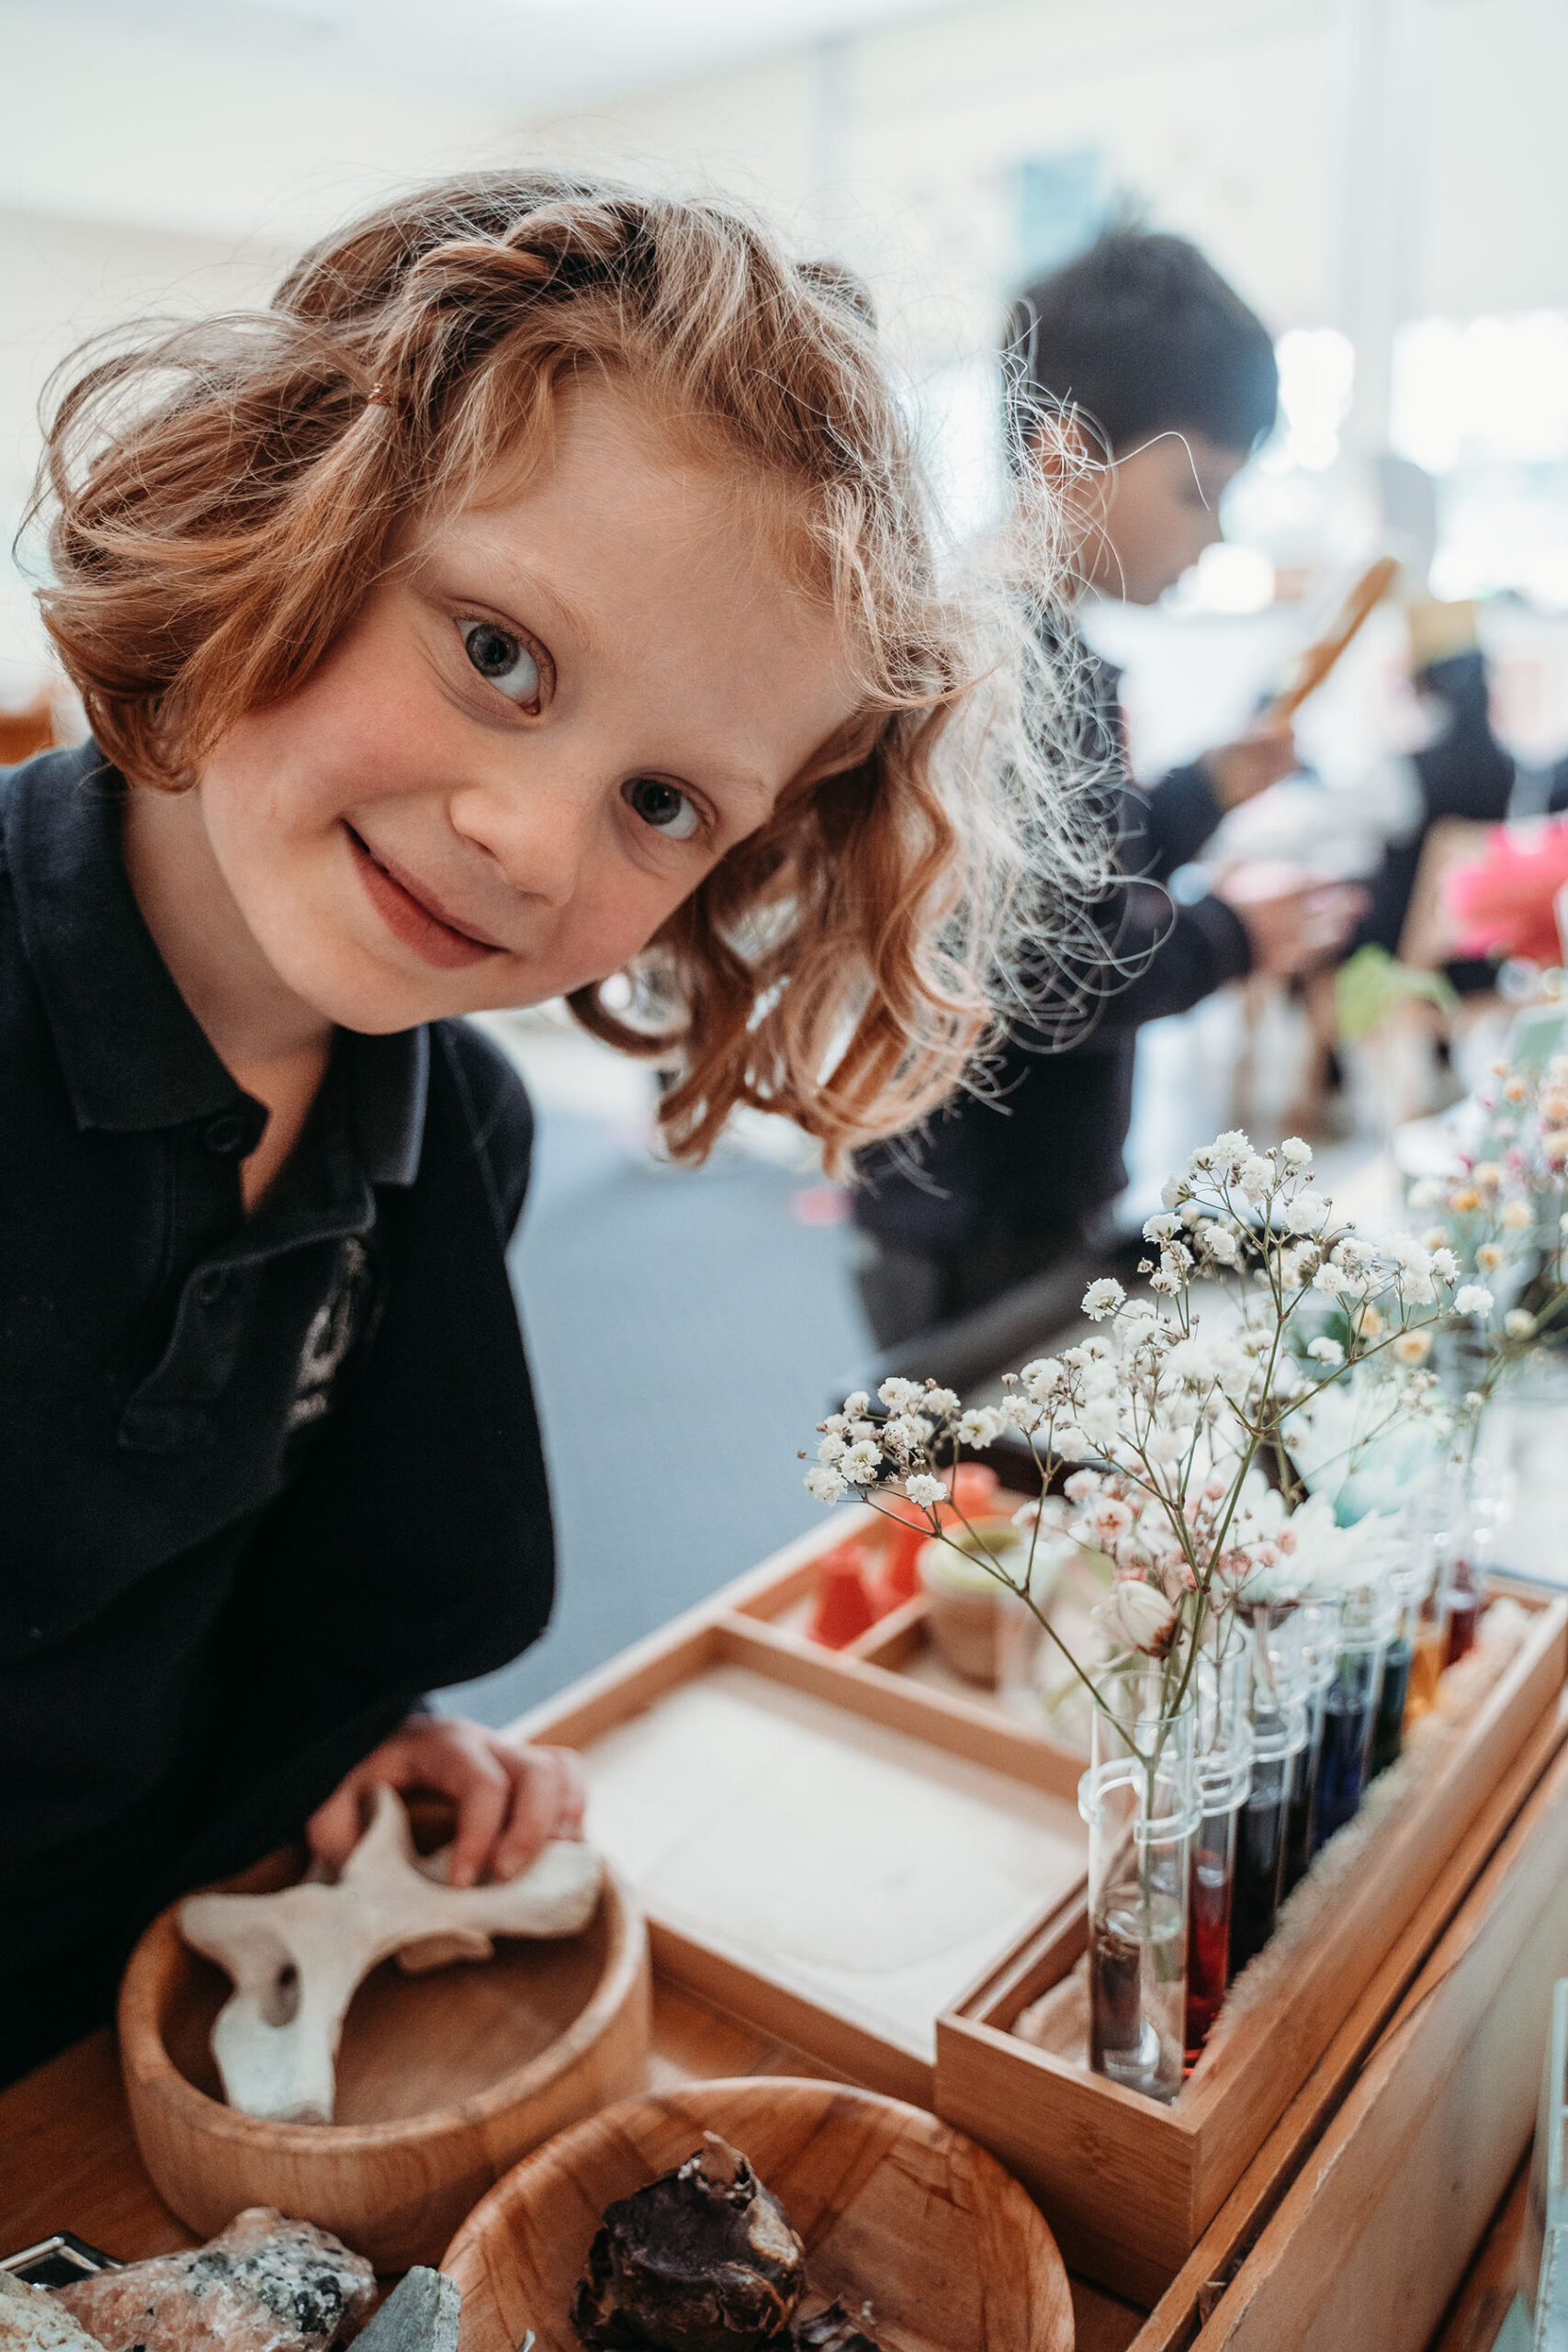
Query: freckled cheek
x=610, y=924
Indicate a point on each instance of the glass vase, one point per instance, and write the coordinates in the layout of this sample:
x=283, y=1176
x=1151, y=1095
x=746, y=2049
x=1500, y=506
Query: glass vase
x=1223, y=1768
x=1278, y=1714
x=1317, y=1644
x=1350, y=1707
x=1407, y=1583
x=1139, y=1798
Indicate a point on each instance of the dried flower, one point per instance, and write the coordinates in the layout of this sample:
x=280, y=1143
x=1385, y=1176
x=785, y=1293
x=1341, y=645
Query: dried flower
x=1134, y=1615
x=1473, y=1299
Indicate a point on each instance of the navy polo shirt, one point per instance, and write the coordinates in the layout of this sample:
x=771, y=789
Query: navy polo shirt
x=206, y=1418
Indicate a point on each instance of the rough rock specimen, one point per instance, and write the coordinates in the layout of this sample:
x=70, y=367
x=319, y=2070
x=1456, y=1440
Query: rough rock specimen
x=264, y=2285
x=831, y=2331
x=32, y=2321
x=419, y=2316
x=297, y=1957
x=700, y=2260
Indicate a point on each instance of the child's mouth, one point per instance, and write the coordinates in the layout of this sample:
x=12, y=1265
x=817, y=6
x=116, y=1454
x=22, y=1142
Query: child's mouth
x=410, y=916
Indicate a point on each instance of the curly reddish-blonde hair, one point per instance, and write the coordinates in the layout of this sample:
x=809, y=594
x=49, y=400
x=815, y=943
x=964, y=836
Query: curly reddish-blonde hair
x=222, y=496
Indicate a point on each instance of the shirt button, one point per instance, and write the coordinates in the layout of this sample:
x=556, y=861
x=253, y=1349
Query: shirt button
x=210, y=1286
x=226, y=1134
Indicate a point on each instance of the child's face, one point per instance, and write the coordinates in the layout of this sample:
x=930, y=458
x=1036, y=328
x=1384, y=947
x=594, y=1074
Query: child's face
x=532, y=745
x=1149, y=516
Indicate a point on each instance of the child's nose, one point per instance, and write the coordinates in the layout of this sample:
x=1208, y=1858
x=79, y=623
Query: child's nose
x=538, y=834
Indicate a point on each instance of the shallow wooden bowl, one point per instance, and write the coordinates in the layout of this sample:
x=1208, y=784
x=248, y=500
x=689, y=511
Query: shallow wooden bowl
x=894, y=2209
x=443, y=2081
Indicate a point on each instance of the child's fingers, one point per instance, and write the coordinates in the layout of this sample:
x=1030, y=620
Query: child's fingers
x=481, y=1790
x=547, y=1796
x=333, y=1830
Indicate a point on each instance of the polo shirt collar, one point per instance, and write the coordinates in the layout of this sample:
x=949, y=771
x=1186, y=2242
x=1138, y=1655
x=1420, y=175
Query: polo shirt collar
x=133, y=1056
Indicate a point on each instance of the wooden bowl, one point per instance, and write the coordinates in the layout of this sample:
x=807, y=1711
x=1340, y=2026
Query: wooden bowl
x=443, y=2081
x=893, y=2207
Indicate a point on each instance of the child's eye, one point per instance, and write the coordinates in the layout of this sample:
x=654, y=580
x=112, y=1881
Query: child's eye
x=663, y=806
x=503, y=659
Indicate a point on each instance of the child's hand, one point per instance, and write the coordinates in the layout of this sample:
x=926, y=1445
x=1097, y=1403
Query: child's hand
x=510, y=1800
x=1294, y=930
x=1266, y=754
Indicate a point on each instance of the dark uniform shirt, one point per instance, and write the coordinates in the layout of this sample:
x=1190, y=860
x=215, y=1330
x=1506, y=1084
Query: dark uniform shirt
x=989, y=1182
x=234, y=1465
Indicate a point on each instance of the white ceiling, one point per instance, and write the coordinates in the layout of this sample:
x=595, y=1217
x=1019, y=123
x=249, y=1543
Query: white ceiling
x=527, y=56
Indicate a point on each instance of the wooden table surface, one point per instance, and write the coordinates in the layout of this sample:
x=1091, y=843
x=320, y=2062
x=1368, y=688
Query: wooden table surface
x=68, y=2161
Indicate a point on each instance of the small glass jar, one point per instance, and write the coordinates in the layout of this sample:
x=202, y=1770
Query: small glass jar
x=1351, y=1702
x=1139, y=1798
x=1224, y=1777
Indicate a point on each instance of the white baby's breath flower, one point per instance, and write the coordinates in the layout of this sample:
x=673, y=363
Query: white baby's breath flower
x=1515, y=1216
x=1169, y=1284
x=1100, y=1420
x=1173, y=1192
x=898, y=1396
x=1102, y=1298
x=1330, y=1279
x=942, y=1402
x=1426, y=1193
x=1307, y=1214
x=1295, y=1153
x=860, y=1464
x=1161, y=1228
x=981, y=1426
x=925, y=1491
x=1473, y=1299
x=1164, y=1446
x=1325, y=1350
x=825, y=1484
x=1445, y=1265
x=1136, y=1616
x=831, y=1449
x=1254, y=1177
x=1220, y=1243
x=1519, y=1324
x=1043, y=1378
x=1489, y=1259
x=1412, y=1347
x=856, y=1403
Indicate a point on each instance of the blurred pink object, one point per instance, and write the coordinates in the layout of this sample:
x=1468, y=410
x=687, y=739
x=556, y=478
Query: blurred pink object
x=1505, y=900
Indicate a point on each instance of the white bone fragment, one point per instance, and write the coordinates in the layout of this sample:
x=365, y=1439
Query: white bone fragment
x=297, y=1957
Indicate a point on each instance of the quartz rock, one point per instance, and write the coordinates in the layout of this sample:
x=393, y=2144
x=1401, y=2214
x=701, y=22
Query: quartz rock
x=32, y=2321
x=265, y=2284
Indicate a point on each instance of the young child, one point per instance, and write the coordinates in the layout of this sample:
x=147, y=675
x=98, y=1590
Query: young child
x=1145, y=383
x=538, y=593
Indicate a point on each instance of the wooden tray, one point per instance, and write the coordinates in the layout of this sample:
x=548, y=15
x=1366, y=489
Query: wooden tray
x=1130, y=2185
x=828, y=1850
x=895, y=2210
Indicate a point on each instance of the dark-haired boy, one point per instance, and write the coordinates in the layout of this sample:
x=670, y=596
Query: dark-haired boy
x=1161, y=382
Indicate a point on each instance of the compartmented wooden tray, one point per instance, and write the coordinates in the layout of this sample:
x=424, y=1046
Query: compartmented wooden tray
x=1129, y=2186
x=828, y=1846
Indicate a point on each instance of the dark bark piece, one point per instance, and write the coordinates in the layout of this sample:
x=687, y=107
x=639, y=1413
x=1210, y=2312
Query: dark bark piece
x=265, y=2284
x=700, y=2260
x=831, y=2331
